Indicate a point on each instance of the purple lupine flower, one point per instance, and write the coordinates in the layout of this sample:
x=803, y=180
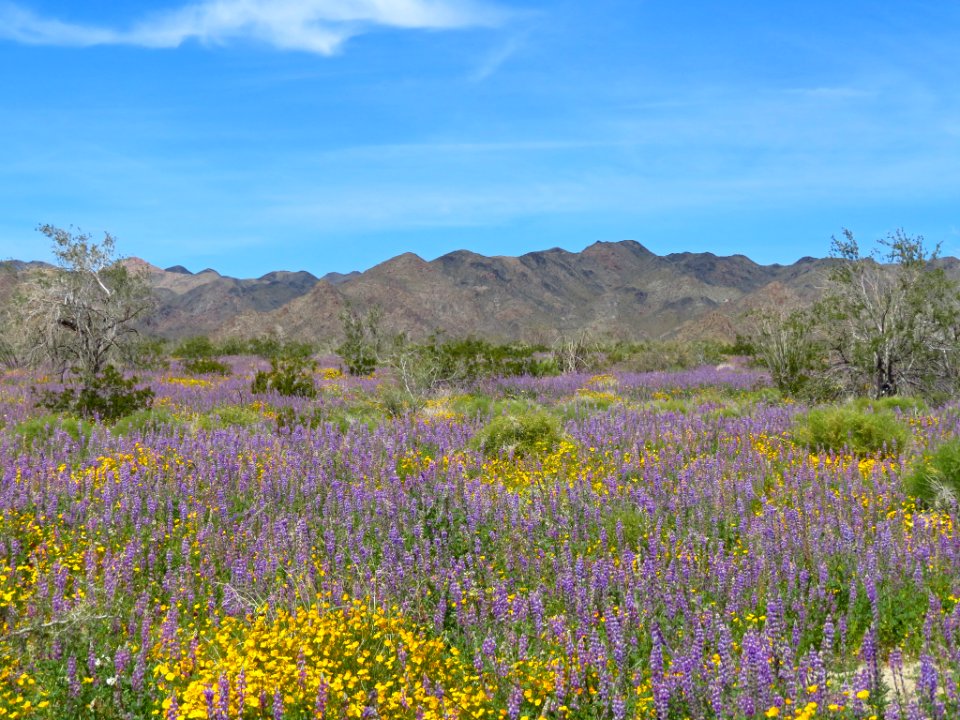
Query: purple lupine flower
x=277, y=705
x=73, y=682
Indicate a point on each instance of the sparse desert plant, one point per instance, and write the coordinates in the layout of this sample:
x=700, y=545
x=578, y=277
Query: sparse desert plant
x=846, y=427
x=520, y=435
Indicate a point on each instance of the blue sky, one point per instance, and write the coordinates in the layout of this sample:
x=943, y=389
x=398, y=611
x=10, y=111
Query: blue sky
x=253, y=135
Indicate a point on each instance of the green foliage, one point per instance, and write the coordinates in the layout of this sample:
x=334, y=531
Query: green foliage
x=846, y=427
x=788, y=345
x=84, y=314
x=892, y=317
x=481, y=405
x=742, y=346
x=196, y=347
x=902, y=403
x=289, y=375
x=40, y=429
x=363, y=341
x=935, y=479
x=143, y=421
x=227, y=416
x=207, y=366
x=107, y=396
x=147, y=354
x=233, y=346
x=519, y=435
x=396, y=402
x=470, y=359
x=659, y=355
x=270, y=347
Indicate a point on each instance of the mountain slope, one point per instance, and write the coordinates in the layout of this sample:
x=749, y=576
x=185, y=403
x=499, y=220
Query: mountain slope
x=618, y=290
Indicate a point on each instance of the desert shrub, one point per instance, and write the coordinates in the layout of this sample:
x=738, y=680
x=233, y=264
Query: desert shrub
x=40, y=429
x=482, y=405
x=270, y=347
x=207, y=366
x=148, y=354
x=195, y=347
x=470, y=359
x=233, y=346
x=397, y=402
x=935, y=479
x=289, y=375
x=519, y=434
x=847, y=427
x=229, y=416
x=903, y=403
x=107, y=396
x=154, y=419
x=656, y=356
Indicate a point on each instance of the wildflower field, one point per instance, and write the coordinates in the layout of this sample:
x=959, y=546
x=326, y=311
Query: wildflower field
x=669, y=552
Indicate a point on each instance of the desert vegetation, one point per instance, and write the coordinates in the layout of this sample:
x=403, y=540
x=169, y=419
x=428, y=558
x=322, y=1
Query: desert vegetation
x=455, y=528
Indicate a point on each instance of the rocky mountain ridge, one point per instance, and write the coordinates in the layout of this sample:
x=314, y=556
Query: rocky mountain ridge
x=610, y=289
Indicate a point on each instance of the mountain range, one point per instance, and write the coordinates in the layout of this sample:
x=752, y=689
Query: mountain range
x=617, y=290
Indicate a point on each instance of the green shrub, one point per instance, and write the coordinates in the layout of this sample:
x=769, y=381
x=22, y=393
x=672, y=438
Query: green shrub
x=289, y=375
x=146, y=420
x=936, y=477
x=905, y=404
x=519, y=434
x=194, y=348
x=107, y=396
x=39, y=429
x=862, y=432
x=207, y=366
x=270, y=347
x=397, y=402
x=148, y=354
x=229, y=416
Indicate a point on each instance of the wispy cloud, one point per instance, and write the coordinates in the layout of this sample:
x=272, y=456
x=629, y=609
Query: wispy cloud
x=495, y=59
x=316, y=26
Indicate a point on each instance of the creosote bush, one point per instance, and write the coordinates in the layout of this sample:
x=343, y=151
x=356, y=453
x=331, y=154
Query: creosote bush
x=936, y=478
x=846, y=427
x=519, y=434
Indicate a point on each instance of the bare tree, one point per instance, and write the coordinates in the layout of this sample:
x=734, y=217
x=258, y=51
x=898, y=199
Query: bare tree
x=81, y=315
x=573, y=354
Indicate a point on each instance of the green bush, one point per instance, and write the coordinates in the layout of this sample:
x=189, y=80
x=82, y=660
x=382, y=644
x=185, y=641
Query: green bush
x=936, y=478
x=903, y=403
x=519, y=434
x=194, y=348
x=271, y=348
x=207, y=366
x=860, y=431
x=40, y=429
x=148, y=354
x=229, y=416
x=107, y=396
x=145, y=420
x=289, y=375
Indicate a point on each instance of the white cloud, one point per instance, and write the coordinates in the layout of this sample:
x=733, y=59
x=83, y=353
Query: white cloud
x=317, y=26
